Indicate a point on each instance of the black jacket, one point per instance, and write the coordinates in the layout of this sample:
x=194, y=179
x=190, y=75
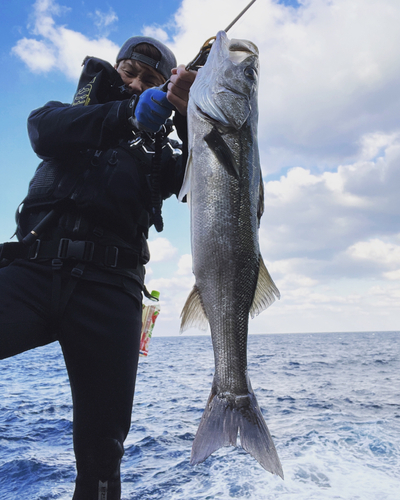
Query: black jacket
x=93, y=164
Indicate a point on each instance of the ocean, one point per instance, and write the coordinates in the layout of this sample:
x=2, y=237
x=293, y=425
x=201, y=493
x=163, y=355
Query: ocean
x=331, y=402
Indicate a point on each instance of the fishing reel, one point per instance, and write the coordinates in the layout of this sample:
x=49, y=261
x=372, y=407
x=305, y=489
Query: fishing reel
x=201, y=58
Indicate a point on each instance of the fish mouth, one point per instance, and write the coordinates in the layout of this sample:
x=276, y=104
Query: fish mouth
x=242, y=49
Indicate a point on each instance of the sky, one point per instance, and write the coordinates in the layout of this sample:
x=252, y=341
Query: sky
x=329, y=139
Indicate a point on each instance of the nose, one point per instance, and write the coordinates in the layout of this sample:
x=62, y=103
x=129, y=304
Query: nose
x=136, y=86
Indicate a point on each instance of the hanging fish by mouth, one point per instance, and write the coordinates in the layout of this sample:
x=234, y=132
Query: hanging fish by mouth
x=224, y=189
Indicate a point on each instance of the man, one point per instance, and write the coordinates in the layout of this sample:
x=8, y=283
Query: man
x=77, y=273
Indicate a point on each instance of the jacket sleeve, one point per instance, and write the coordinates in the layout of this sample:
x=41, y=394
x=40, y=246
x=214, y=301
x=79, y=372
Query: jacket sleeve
x=57, y=129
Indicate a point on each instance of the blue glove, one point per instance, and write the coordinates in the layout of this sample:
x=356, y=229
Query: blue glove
x=152, y=110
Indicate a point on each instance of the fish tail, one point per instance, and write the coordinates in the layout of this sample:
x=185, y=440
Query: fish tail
x=223, y=419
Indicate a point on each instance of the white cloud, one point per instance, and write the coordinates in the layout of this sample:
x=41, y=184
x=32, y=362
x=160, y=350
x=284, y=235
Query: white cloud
x=161, y=249
x=392, y=275
x=60, y=48
x=375, y=144
x=332, y=309
x=37, y=55
x=322, y=214
x=44, y=7
x=156, y=32
x=185, y=265
x=376, y=251
x=103, y=20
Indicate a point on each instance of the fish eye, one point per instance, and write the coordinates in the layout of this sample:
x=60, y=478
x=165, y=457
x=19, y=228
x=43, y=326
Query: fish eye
x=250, y=72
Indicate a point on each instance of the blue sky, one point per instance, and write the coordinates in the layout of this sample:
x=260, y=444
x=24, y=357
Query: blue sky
x=329, y=138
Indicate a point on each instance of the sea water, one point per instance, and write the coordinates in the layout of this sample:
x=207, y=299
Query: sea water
x=331, y=402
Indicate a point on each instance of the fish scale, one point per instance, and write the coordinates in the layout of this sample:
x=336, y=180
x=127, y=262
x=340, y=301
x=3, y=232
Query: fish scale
x=223, y=184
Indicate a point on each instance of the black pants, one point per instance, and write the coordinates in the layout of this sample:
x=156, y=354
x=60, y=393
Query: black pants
x=99, y=332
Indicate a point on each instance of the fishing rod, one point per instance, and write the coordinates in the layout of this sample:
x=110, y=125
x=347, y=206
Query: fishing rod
x=239, y=16
x=202, y=55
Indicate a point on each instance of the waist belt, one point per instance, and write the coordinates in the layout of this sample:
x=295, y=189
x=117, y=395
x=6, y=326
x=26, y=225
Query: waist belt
x=64, y=248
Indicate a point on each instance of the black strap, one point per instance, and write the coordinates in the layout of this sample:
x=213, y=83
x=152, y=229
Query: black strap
x=82, y=251
x=142, y=58
x=56, y=265
x=60, y=300
x=76, y=274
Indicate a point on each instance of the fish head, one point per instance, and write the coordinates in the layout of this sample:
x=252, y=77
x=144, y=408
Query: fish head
x=225, y=89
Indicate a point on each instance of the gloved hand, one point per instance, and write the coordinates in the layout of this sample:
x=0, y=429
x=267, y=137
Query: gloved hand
x=151, y=110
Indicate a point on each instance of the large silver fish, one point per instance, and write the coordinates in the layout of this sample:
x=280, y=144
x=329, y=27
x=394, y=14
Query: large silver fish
x=224, y=186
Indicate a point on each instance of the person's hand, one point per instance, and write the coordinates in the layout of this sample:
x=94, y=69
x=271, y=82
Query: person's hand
x=179, y=86
x=152, y=110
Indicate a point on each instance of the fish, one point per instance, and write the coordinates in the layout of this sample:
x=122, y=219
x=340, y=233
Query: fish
x=223, y=186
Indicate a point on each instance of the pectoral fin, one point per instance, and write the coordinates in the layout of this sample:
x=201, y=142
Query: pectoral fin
x=223, y=152
x=266, y=291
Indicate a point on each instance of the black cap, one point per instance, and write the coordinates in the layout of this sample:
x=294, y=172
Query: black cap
x=164, y=66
